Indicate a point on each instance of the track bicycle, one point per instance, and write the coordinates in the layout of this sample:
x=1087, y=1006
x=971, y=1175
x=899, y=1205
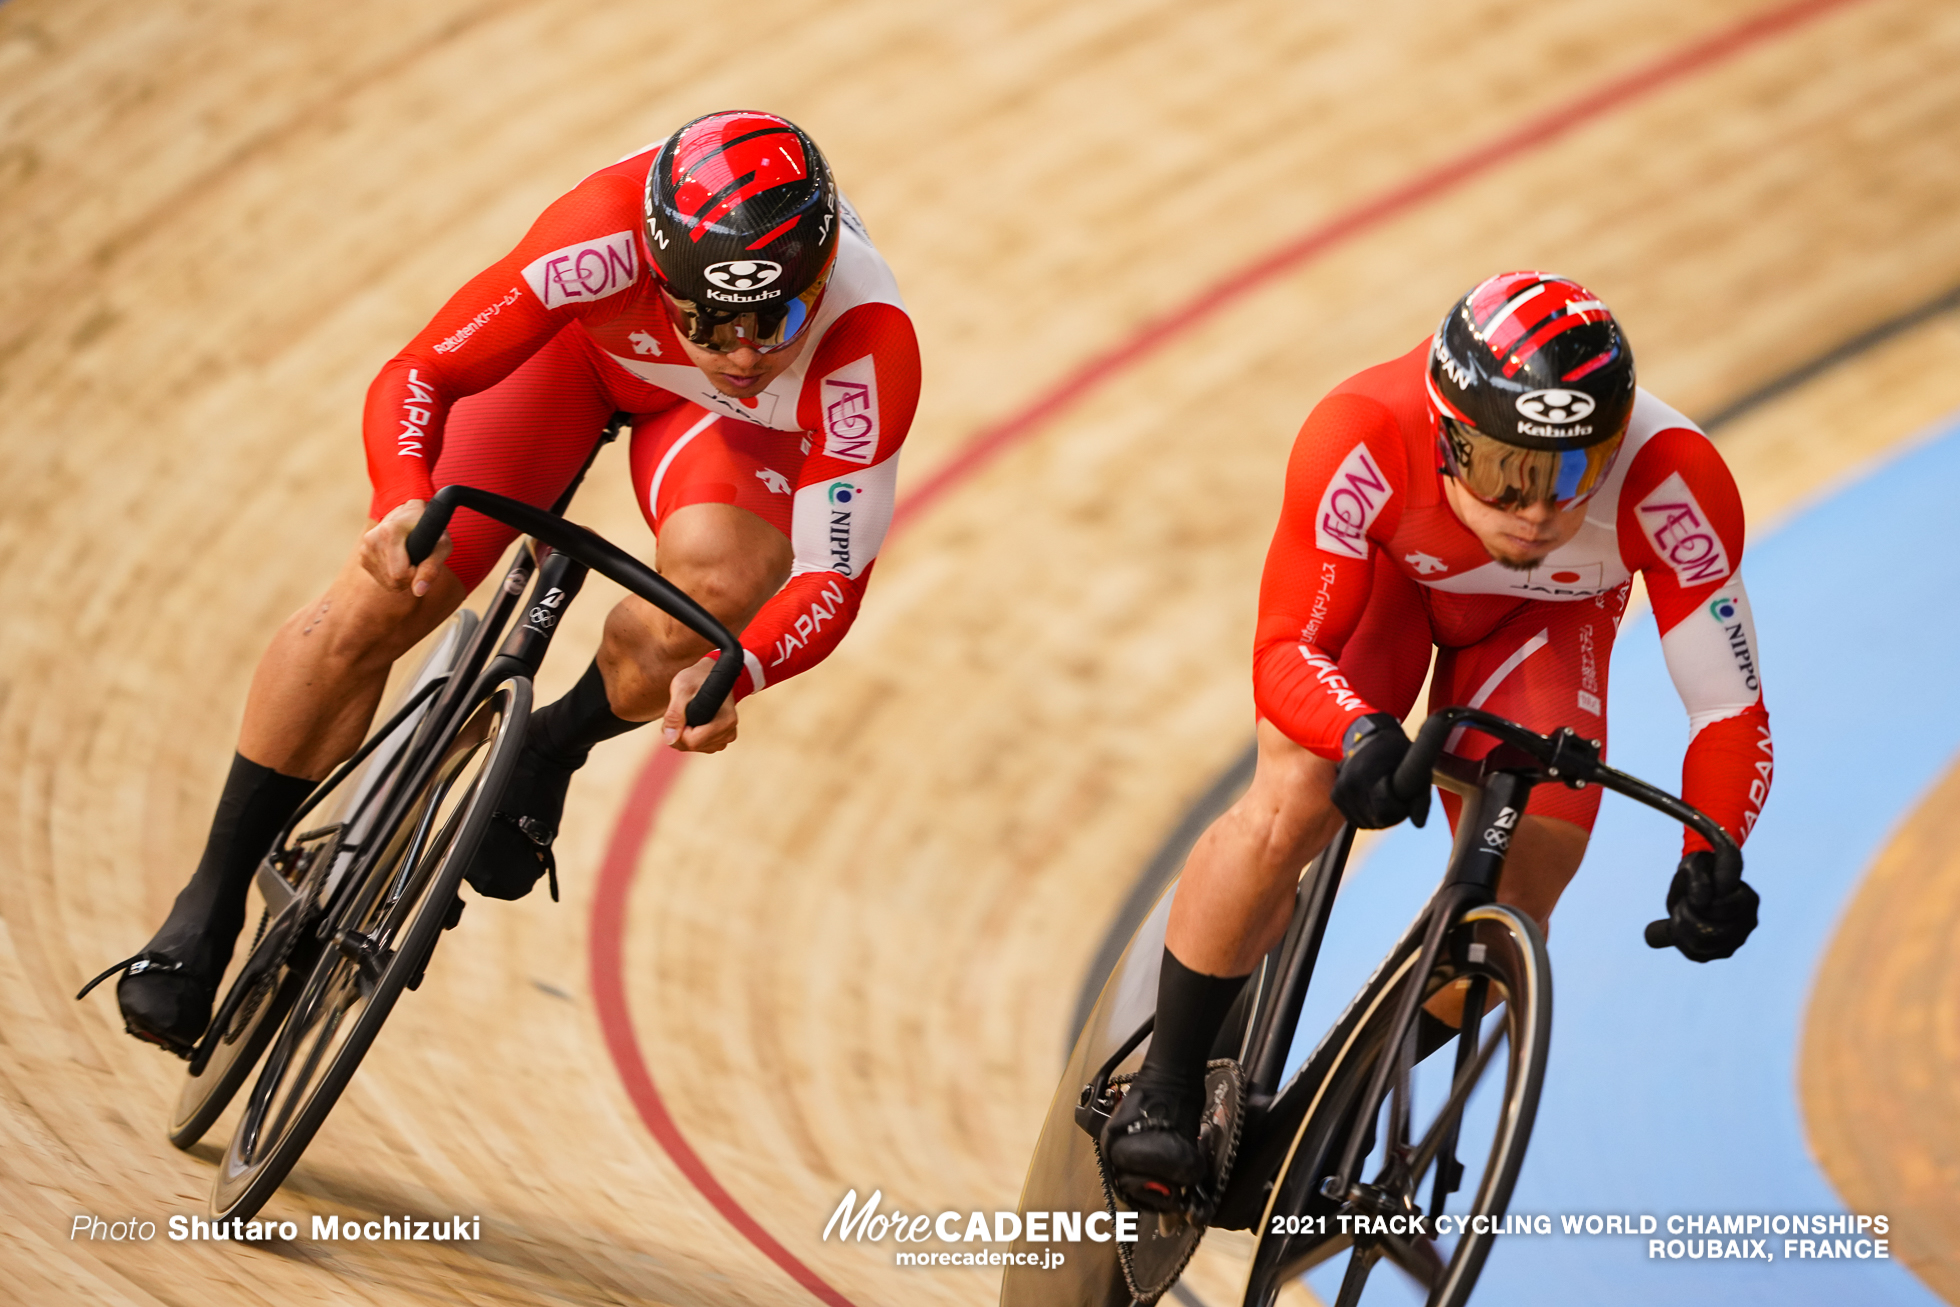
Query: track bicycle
x=362, y=881
x=1399, y=1139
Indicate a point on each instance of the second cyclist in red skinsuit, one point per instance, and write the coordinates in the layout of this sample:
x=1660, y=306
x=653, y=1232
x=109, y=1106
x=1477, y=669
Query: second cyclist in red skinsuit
x=718, y=289
x=508, y=385
x=1486, y=498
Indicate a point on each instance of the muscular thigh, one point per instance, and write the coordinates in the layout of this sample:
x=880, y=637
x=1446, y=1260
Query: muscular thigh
x=688, y=455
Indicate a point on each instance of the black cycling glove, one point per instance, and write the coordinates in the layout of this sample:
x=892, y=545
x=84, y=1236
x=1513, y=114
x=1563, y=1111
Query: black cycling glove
x=1706, y=926
x=1364, y=786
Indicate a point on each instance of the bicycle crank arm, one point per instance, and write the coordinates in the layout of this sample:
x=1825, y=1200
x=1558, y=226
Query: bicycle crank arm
x=365, y=954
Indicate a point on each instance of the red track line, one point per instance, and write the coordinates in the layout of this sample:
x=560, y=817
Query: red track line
x=1222, y=294
x=615, y=1020
x=635, y=822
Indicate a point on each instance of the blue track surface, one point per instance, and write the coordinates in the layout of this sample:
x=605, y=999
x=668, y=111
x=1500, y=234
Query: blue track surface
x=1672, y=1087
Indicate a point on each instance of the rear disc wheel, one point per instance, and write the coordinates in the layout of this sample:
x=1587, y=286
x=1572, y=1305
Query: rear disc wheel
x=375, y=942
x=284, y=898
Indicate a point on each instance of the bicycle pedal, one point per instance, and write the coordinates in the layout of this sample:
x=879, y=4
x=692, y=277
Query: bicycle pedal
x=1092, y=1113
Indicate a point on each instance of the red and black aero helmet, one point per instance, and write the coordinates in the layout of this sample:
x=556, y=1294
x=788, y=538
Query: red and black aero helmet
x=742, y=224
x=1533, y=384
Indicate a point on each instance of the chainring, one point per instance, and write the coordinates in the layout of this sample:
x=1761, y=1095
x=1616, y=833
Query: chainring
x=1164, y=1246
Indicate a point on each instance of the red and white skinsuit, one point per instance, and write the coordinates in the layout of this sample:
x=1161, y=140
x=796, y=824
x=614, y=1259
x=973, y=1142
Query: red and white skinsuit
x=509, y=385
x=1370, y=567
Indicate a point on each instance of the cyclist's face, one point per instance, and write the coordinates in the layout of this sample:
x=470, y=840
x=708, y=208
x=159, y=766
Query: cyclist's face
x=1520, y=537
x=743, y=372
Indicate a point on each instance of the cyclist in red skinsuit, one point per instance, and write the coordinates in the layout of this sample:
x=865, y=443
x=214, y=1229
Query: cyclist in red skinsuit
x=1488, y=496
x=716, y=287
x=1530, y=645
x=570, y=326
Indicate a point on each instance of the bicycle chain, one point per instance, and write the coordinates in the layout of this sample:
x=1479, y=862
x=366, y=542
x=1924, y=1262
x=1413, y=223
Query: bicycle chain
x=1222, y=1159
x=242, y=1019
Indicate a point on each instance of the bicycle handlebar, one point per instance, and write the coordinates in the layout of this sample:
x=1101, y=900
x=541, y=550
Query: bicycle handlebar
x=603, y=557
x=1574, y=761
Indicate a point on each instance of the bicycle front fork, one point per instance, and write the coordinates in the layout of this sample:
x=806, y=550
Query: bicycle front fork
x=1483, y=841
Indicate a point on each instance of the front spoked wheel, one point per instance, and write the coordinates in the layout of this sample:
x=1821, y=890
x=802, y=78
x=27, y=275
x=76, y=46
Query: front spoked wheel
x=1442, y=1152
x=375, y=942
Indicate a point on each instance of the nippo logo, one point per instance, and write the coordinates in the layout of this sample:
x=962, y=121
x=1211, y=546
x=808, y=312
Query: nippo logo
x=1557, y=407
x=742, y=274
x=843, y=492
x=1723, y=609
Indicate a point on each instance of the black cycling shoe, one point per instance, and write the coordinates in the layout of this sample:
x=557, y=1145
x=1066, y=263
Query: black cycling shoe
x=165, y=1000
x=517, y=848
x=165, y=1003
x=1151, y=1146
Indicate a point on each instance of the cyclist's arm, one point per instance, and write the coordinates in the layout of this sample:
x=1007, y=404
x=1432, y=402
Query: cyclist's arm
x=857, y=407
x=1343, y=497
x=1681, y=526
x=582, y=251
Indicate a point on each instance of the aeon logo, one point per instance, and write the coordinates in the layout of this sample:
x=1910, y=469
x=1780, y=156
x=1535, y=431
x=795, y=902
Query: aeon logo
x=1556, y=406
x=742, y=274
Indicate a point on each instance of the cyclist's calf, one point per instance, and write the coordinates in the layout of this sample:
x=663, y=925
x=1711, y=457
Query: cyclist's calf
x=320, y=679
x=1236, y=893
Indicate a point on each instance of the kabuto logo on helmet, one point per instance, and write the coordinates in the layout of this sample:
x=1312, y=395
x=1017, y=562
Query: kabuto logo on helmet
x=742, y=274
x=1556, y=406
x=1533, y=386
x=741, y=211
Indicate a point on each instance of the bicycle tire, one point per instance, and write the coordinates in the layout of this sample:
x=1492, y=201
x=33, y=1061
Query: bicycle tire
x=1513, y=962
x=1064, y=1174
x=399, y=910
x=277, y=963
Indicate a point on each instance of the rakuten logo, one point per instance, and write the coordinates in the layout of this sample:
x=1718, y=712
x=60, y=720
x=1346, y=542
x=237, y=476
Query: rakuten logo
x=587, y=271
x=1681, y=534
x=850, y=412
x=1353, y=500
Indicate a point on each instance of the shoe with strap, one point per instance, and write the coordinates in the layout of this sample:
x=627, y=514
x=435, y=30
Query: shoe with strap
x=165, y=996
x=516, y=849
x=1151, y=1144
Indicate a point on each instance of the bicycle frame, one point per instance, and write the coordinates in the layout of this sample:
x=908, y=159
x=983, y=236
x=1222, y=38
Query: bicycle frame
x=559, y=556
x=1495, y=792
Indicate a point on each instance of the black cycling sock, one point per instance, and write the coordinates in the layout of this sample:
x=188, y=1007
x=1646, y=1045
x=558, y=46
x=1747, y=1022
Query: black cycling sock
x=209, y=911
x=1191, y=1006
x=566, y=729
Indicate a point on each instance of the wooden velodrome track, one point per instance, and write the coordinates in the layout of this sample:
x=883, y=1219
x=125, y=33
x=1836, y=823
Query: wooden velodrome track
x=850, y=944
